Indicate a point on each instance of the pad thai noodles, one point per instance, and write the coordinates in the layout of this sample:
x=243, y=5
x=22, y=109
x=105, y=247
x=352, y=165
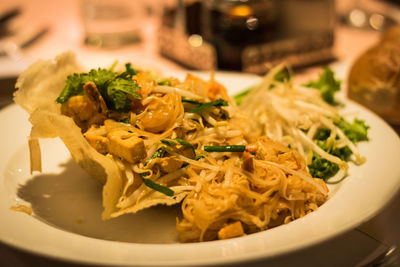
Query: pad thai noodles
x=159, y=140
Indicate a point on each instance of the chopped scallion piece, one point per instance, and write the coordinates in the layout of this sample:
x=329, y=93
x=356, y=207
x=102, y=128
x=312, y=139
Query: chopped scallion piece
x=231, y=148
x=216, y=103
x=160, y=153
x=175, y=141
x=164, y=82
x=239, y=97
x=160, y=188
x=198, y=157
x=184, y=142
x=191, y=101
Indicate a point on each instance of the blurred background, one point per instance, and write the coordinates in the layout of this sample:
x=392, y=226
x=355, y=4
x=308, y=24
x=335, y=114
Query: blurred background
x=236, y=35
x=361, y=38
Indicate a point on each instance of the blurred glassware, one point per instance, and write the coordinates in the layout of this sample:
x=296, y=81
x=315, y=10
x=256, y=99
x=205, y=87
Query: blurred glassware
x=370, y=15
x=112, y=23
x=179, y=36
x=248, y=35
x=232, y=25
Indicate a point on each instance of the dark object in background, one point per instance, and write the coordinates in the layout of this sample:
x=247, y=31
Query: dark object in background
x=231, y=26
x=7, y=86
x=252, y=35
x=5, y=18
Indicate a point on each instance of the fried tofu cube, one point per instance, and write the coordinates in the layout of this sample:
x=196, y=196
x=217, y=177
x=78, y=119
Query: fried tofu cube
x=126, y=145
x=98, y=142
x=231, y=230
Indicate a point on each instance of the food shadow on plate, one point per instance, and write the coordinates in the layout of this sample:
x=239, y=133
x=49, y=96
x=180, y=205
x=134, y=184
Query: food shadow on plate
x=72, y=201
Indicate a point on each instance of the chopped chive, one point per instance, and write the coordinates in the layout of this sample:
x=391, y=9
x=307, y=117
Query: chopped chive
x=191, y=101
x=125, y=120
x=217, y=103
x=171, y=142
x=160, y=153
x=160, y=188
x=164, y=82
x=231, y=148
x=239, y=97
x=184, y=142
x=113, y=65
x=198, y=157
x=168, y=142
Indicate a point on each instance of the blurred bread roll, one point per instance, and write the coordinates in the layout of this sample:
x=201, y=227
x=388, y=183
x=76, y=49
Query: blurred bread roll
x=374, y=78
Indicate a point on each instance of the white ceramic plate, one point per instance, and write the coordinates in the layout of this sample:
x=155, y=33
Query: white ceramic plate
x=67, y=205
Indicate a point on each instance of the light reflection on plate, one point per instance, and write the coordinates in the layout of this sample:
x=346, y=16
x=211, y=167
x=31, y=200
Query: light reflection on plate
x=67, y=205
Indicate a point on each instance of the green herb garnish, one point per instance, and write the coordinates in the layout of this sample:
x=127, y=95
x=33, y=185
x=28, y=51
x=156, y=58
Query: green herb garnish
x=184, y=142
x=125, y=120
x=164, y=82
x=128, y=73
x=239, y=97
x=283, y=74
x=231, y=148
x=216, y=103
x=175, y=141
x=356, y=131
x=194, y=102
x=113, y=88
x=327, y=84
x=160, y=153
x=322, y=168
x=198, y=157
x=160, y=188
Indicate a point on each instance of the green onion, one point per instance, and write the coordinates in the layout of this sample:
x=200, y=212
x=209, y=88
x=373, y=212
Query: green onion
x=168, y=142
x=126, y=120
x=160, y=153
x=198, y=157
x=191, y=101
x=217, y=103
x=160, y=188
x=184, y=142
x=164, y=82
x=172, y=142
x=231, y=148
x=239, y=97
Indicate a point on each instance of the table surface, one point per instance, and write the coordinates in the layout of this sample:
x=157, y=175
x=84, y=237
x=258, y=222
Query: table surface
x=354, y=248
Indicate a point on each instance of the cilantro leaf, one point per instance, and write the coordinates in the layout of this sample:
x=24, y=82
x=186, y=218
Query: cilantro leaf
x=100, y=77
x=327, y=84
x=73, y=86
x=128, y=73
x=115, y=89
